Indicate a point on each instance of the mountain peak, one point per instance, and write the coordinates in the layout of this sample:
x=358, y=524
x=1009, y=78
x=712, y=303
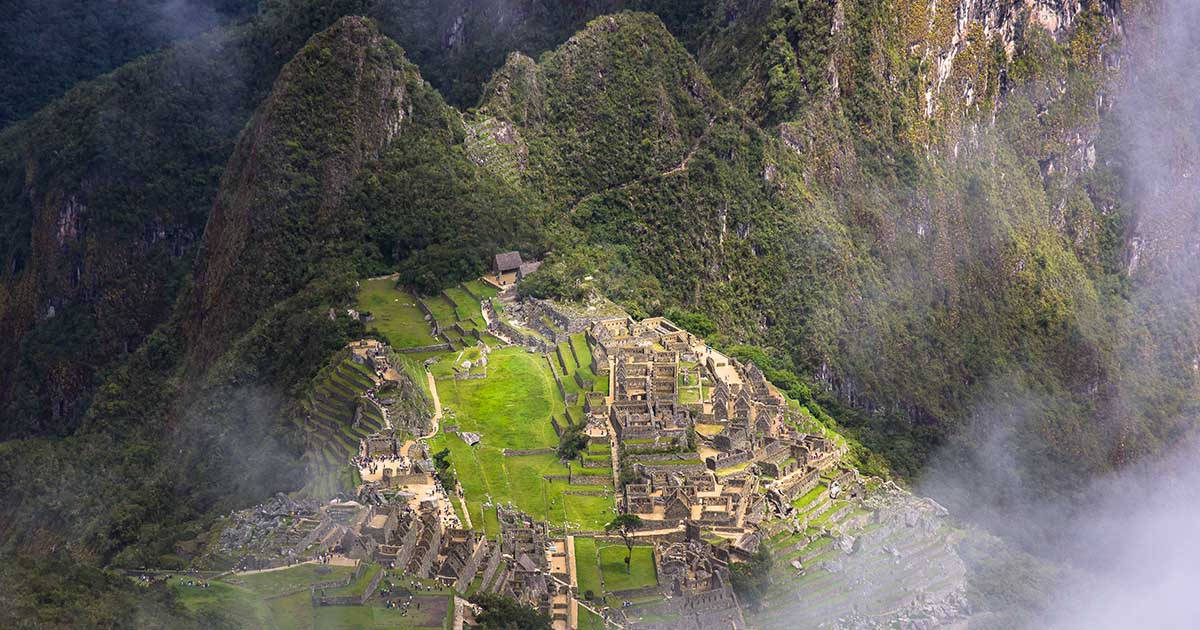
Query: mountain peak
x=335, y=105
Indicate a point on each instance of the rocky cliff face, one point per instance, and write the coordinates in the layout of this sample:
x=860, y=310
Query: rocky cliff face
x=100, y=218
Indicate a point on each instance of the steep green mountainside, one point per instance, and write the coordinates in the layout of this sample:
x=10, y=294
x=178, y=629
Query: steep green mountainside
x=854, y=265
x=278, y=219
x=924, y=215
x=101, y=218
x=197, y=419
x=49, y=45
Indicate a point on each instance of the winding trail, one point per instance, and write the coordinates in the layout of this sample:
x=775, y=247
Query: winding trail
x=678, y=168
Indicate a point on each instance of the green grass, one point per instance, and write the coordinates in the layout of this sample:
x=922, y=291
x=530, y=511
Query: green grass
x=803, y=502
x=293, y=611
x=274, y=582
x=441, y=309
x=357, y=586
x=587, y=568
x=511, y=408
x=582, y=350
x=482, y=289
x=247, y=606
x=589, y=620
x=468, y=307
x=612, y=568
x=372, y=617
x=485, y=471
x=225, y=600
x=396, y=315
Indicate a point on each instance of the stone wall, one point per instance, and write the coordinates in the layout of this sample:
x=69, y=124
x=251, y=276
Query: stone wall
x=572, y=324
x=320, y=600
x=510, y=452
x=557, y=381
x=637, y=593
x=518, y=337
x=729, y=460
x=440, y=347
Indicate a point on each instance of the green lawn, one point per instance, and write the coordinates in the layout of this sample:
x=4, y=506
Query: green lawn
x=442, y=311
x=511, y=407
x=445, y=368
x=589, y=620
x=294, y=611
x=482, y=289
x=273, y=582
x=357, y=586
x=587, y=569
x=468, y=307
x=246, y=605
x=612, y=567
x=396, y=314
x=372, y=617
x=226, y=601
x=579, y=342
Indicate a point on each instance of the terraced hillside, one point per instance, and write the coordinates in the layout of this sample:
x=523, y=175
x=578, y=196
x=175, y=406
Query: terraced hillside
x=337, y=416
x=892, y=554
x=570, y=363
x=458, y=314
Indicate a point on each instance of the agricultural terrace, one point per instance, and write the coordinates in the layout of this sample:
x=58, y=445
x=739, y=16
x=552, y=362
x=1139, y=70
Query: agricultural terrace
x=511, y=408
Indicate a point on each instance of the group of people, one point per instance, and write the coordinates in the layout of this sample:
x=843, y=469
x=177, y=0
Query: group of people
x=371, y=464
x=403, y=606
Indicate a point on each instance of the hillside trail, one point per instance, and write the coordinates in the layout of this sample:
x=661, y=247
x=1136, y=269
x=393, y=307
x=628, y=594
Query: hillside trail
x=678, y=168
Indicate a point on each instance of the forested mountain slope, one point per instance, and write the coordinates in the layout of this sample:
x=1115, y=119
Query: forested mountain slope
x=930, y=216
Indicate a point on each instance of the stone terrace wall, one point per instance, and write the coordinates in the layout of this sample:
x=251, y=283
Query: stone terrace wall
x=320, y=600
x=441, y=347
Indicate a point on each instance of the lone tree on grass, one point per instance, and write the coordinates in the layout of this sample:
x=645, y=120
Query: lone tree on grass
x=624, y=525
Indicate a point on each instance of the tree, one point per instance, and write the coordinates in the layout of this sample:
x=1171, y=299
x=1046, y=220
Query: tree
x=572, y=441
x=441, y=461
x=624, y=525
x=503, y=613
x=751, y=579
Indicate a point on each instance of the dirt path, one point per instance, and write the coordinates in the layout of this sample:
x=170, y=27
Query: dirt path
x=437, y=404
x=337, y=561
x=466, y=513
